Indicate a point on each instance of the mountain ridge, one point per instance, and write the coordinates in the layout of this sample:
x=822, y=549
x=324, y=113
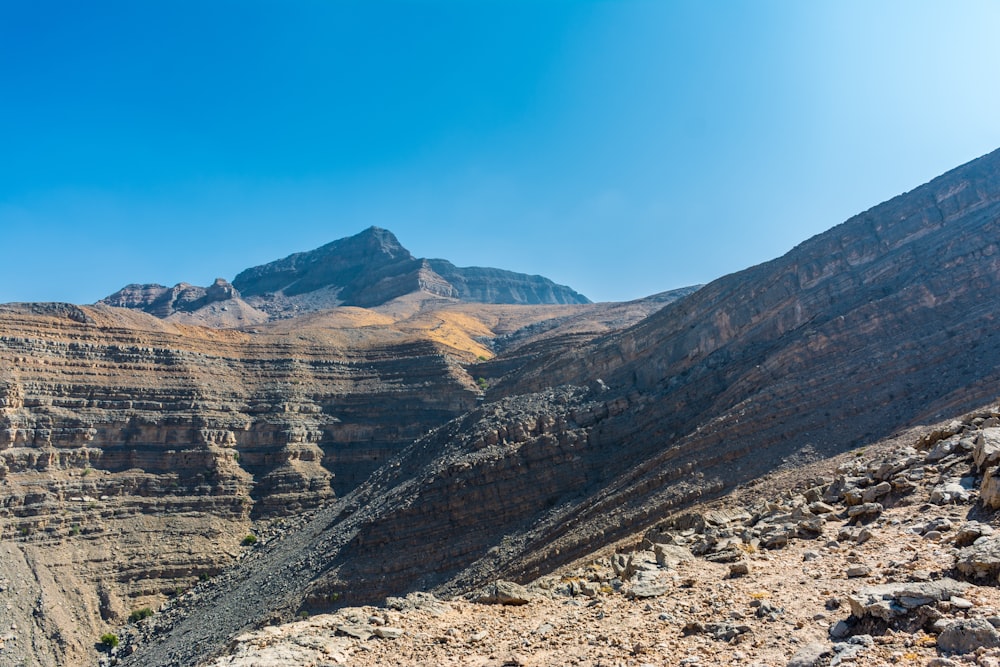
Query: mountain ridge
x=366, y=270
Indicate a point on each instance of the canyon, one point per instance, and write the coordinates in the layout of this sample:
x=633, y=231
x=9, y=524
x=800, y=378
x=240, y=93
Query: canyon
x=382, y=424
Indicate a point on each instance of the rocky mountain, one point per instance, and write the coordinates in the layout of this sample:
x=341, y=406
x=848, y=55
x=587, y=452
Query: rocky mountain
x=430, y=443
x=137, y=453
x=882, y=322
x=365, y=270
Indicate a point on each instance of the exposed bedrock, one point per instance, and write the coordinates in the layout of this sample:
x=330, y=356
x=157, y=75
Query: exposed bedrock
x=885, y=321
x=135, y=454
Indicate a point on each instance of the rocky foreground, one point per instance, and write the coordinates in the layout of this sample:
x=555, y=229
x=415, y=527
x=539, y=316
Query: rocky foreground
x=887, y=555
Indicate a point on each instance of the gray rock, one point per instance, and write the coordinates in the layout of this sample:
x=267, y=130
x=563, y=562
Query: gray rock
x=960, y=603
x=840, y=630
x=858, y=571
x=986, y=451
x=981, y=560
x=865, y=511
x=874, y=493
x=989, y=492
x=387, y=632
x=949, y=492
x=895, y=600
x=739, y=569
x=967, y=635
x=971, y=531
x=649, y=585
x=670, y=556
x=506, y=593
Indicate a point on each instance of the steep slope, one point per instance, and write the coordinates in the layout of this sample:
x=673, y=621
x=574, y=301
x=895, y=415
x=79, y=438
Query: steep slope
x=882, y=322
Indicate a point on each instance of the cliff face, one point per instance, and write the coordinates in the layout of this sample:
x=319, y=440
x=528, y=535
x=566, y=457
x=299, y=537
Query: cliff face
x=134, y=454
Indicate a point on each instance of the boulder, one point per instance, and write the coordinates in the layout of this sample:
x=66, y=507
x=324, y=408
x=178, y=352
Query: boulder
x=865, y=511
x=981, y=560
x=949, y=492
x=986, y=451
x=506, y=593
x=989, y=492
x=971, y=531
x=967, y=635
x=891, y=601
x=877, y=492
x=669, y=556
x=648, y=584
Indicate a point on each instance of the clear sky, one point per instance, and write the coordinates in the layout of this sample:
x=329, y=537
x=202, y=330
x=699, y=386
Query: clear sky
x=620, y=147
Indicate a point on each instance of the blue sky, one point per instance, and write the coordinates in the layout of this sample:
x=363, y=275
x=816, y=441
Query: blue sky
x=623, y=148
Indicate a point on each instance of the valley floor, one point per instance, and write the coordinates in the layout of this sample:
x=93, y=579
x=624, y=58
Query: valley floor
x=648, y=603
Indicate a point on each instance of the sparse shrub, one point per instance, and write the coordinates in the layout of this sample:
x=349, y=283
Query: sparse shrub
x=303, y=615
x=482, y=358
x=249, y=540
x=483, y=384
x=140, y=614
x=87, y=471
x=109, y=639
x=236, y=456
x=74, y=529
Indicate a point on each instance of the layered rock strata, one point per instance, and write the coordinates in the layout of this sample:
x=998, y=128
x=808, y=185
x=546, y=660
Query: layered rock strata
x=134, y=454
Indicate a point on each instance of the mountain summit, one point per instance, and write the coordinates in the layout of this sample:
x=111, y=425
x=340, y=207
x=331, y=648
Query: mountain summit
x=365, y=270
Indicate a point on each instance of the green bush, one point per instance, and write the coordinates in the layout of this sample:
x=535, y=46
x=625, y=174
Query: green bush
x=109, y=639
x=249, y=540
x=140, y=614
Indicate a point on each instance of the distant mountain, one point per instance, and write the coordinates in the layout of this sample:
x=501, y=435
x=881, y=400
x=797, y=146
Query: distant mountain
x=365, y=270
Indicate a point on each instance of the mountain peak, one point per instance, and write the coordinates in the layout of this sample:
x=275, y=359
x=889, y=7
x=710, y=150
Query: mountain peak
x=366, y=270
